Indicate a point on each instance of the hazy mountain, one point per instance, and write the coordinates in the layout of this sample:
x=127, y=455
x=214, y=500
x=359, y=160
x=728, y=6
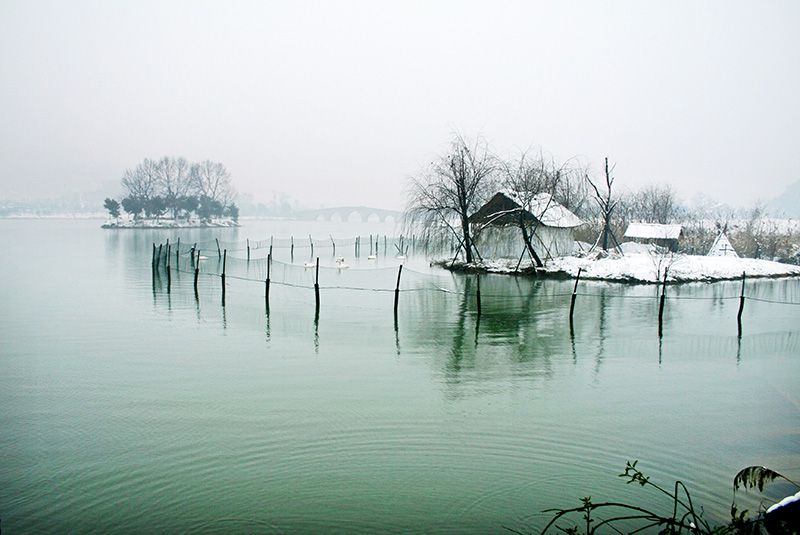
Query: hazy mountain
x=788, y=203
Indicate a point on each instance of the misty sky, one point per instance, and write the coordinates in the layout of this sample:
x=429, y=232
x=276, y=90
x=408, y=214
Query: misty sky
x=339, y=102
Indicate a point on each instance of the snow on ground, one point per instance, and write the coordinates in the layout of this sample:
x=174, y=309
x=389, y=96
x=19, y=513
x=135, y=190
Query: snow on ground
x=680, y=268
x=644, y=267
x=170, y=223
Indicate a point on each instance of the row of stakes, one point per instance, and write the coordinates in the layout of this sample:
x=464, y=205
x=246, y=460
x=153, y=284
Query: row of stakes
x=223, y=254
x=157, y=256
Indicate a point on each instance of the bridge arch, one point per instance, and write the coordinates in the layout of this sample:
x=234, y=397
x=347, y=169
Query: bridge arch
x=350, y=213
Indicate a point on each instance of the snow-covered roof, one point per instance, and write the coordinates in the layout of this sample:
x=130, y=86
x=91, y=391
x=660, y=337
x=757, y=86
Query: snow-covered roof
x=551, y=213
x=542, y=207
x=653, y=231
x=722, y=247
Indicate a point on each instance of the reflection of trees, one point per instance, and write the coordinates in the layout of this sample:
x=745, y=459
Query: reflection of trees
x=598, y=360
x=522, y=326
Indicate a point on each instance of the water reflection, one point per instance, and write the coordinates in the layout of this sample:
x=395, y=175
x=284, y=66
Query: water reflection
x=316, y=331
x=267, y=330
x=481, y=417
x=528, y=321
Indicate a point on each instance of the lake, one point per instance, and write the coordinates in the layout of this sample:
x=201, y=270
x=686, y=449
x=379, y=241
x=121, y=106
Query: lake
x=126, y=406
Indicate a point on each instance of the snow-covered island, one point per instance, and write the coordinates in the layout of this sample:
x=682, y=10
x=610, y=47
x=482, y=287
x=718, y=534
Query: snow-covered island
x=637, y=267
x=169, y=223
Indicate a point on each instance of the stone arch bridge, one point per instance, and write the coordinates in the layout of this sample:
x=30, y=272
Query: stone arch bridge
x=349, y=213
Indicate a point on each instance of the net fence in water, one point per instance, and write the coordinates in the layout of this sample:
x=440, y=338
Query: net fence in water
x=344, y=265
x=305, y=275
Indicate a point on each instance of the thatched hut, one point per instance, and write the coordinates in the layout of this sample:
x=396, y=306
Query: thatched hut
x=498, y=226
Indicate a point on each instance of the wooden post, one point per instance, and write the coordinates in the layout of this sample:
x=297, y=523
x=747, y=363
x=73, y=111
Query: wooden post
x=248, y=249
x=266, y=294
x=661, y=304
x=384, y=245
x=574, y=295
x=224, y=261
x=158, y=257
x=194, y=248
x=316, y=287
x=153, y=262
x=355, y=247
x=311, y=241
x=219, y=253
x=370, y=244
x=178, y=256
x=169, y=275
x=478, y=295
x=291, y=251
x=741, y=306
x=166, y=254
x=397, y=290
x=334, y=245
x=196, y=272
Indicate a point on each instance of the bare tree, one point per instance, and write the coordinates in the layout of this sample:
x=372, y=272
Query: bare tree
x=441, y=199
x=143, y=181
x=651, y=204
x=212, y=180
x=526, y=179
x=606, y=203
x=174, y=181
x=572, y=189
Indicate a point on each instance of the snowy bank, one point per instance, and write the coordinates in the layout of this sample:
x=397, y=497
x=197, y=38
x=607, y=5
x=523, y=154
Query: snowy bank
x=639, y=268
x=169, y=223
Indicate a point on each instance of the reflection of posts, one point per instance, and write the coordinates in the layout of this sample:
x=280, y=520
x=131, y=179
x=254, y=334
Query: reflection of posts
x=478, y=295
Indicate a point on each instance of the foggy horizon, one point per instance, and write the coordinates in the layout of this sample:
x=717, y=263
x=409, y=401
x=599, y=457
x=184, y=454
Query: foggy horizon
x=338, y=104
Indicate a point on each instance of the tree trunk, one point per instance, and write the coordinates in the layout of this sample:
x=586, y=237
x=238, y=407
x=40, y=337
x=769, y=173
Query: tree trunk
x=467, y=238
x=527, y=239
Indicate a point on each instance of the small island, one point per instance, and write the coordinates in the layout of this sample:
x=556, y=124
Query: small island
x=174, y=193
x=536, y=216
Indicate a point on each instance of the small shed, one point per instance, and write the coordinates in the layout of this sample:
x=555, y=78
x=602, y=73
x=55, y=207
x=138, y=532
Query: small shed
x=552, y=226
x=722, y=247
x=656, y=233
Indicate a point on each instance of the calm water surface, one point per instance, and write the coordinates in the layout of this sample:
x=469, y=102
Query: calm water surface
x=125, y=408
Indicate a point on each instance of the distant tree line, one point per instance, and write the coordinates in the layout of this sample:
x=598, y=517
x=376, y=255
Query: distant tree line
x=178, y=188
x=443, y=197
